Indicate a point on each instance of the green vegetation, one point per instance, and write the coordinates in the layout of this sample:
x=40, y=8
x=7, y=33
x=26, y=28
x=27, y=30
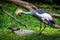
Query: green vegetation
x=48, y=34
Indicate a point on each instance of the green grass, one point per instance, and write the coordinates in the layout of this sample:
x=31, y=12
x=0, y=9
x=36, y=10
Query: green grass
x=48, y=34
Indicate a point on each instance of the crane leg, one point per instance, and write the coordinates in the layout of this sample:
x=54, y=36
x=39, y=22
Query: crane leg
x=41, y=30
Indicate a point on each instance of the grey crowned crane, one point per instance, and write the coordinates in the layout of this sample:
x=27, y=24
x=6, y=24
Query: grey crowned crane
x=42, y=16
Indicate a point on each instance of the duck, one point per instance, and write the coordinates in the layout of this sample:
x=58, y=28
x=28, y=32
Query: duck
x=19, y=31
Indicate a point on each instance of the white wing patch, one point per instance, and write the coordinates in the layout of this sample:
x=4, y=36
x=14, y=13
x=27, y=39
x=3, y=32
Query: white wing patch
x=44, y=16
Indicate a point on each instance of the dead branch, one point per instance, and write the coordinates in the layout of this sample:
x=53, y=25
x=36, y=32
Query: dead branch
x=55, y=15
x=54, y=26
x=18, y=21
x=24, y=4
